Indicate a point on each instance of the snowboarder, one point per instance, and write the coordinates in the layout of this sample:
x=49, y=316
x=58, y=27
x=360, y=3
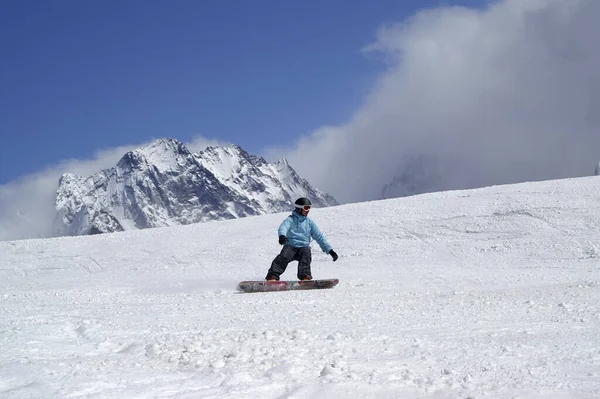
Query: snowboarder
x=295, y=234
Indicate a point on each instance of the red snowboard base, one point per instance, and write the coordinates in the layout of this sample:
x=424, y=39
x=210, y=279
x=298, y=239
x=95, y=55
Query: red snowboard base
x=265, y=286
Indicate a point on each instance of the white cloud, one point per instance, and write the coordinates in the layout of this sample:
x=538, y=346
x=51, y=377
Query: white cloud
x=200, y=143
x=27, y=204
x=504, y=94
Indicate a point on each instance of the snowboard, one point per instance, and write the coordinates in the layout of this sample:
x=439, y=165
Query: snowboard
x=266, y=286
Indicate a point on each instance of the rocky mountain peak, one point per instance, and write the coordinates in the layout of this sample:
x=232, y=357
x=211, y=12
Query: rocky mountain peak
x=164, y=184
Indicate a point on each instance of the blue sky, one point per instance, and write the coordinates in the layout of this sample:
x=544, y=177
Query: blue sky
x=78, y=77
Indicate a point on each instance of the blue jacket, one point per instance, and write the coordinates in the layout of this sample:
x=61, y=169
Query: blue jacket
x=299, y=231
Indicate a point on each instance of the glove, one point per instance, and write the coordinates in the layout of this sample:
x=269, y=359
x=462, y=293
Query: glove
x=333, y=255
x=282, y=240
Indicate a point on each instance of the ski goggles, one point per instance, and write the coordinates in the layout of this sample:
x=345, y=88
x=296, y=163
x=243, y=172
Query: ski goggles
x=305, y=207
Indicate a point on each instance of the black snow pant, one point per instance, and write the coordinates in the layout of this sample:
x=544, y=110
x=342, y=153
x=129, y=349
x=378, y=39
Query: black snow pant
x=288, y=254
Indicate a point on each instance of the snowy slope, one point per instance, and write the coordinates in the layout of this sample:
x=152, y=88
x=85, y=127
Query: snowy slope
x=488, y=293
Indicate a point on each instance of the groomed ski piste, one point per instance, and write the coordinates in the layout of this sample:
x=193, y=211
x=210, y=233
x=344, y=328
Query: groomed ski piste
x=487, y=293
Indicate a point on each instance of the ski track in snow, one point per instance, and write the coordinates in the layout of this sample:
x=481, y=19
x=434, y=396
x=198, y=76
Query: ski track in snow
x=489, y=293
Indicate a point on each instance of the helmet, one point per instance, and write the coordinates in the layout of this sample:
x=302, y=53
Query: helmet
x=302, y=203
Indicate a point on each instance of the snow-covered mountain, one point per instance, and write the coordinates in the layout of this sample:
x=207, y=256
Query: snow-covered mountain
x=416, y=175
x=420, y=173
x=164, y=184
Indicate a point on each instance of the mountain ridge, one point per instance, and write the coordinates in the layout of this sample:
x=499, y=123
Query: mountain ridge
x=164, y=184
